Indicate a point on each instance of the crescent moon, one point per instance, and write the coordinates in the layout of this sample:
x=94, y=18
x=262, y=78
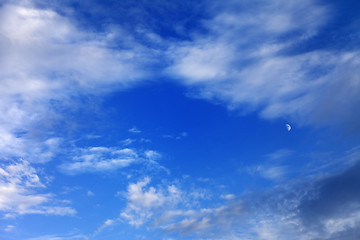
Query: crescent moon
x=288, y=127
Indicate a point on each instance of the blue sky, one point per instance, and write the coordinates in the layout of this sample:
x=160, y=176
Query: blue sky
x=167, y=120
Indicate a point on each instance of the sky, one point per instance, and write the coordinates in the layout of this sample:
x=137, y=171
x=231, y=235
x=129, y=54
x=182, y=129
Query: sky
x=206, y=120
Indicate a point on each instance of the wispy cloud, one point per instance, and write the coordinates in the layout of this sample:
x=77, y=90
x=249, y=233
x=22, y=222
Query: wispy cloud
x=175, y=136
x=9, y=228
x=20, y=192
x=227, y=196
x=274, y=172
x=90, y=193
x=246, y=61
x=106, y=224
x=318, y=206
x=326, y=208
x=103, y=159
x=134, y=130
x=279, y=155
x=60, y=237
x=47, y=60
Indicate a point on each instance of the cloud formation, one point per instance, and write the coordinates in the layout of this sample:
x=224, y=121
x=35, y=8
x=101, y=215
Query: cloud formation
x=247, y=61
x=47, y=61
x=320, y=205
x=143, y=202
x=20, y=192
x=327, y=208
x=102, y=159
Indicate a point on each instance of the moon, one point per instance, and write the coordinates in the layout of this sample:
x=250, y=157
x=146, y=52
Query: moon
x=288, y=127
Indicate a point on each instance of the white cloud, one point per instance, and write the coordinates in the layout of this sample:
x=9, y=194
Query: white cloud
x=175, y=136
x=153, y=155
x=19, y=186
x=134, y=130
x=90, y=193
x=47, y=58
x=138, y=198
x=227, y=196
x=106, y=224
x=163, y=205
x=316, y=207
x=49, y=40
x=340, y=224
x=128, y=141
x=102, y=159
x=206, y=221
x=143, y=202
x=244, y=61
x=9, y=228
x=60, y=237
x=269, y=172
x=98, y=159
x=326, y=208
x=281, y=154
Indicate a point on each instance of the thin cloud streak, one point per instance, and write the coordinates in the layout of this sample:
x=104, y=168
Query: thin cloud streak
x=107, y=159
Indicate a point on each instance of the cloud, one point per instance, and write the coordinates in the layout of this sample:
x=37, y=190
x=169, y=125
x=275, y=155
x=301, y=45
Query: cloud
x=153, y=155
x=143, y=202
x=247, y=61
x=99, y=159
x=320, y=205
x=336, y=198
x=326, y=208
x=227, y=196
x=154, y=205
x=106, y=224
x=279, y=155
x=90, y=193
x=60, y=237
x=134, y=130
x=274, y=167
x=207, y=222
x=9, y=228
x=269, y=172
x=164, y=205
x=176, y=137
x=49, y=39
x=127, y=141
x=104, y=159
x=243, y=60
x=48, y=61
x=20, y=188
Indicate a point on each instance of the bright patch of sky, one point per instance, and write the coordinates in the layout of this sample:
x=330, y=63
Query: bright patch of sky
x=179, y=120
